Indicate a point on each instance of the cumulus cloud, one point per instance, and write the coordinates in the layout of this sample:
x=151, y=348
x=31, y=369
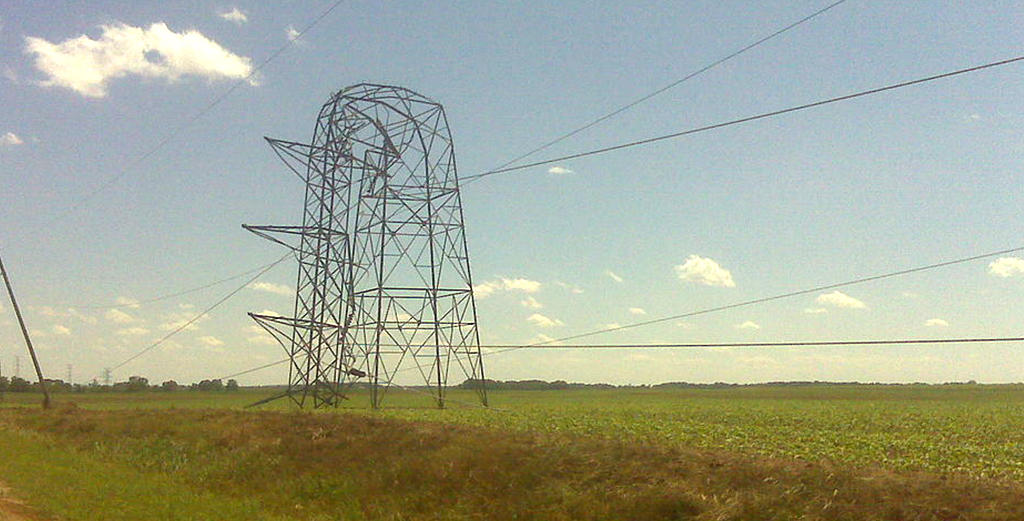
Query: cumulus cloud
x=183, y=320
x=839, y=299
x=541, y=338
x=704, y=271
x=569, y=287
x=815, y=311
x=85, y=65
x=127, y=302
x=749, y=324
x=132, y=331
x=270, y=287
x=88, y=319
x=10, y=139
x=530, y=302
x=559, y=170
x=612, y=275
x=486, y=289
x=61, y=330
x=291, y=33
x=1006, y=267
x=234, y=16
x=211, y=341
x=637, y=311
x=936, y=322
x=544, y=321
x=118, y=317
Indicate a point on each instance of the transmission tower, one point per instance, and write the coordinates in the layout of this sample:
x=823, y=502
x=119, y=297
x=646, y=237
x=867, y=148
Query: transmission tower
x=384, y=278
x=106, y=376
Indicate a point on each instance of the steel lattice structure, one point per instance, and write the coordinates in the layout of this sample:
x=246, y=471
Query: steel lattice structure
x=384, y=279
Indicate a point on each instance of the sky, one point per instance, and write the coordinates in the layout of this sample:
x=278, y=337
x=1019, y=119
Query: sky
x=882, y=183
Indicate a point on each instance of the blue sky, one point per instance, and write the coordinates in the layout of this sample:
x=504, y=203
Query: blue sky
x=874, y=185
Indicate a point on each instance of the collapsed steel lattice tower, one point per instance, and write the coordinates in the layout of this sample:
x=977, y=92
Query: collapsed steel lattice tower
x=384, y=282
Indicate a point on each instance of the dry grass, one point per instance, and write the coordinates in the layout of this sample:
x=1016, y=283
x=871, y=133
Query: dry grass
x=314, y=466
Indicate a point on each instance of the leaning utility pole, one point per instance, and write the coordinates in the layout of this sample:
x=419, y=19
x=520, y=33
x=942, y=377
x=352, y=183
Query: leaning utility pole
x=24, y=331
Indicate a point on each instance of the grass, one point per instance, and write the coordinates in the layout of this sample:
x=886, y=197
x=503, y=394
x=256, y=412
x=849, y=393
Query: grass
x=829, y=452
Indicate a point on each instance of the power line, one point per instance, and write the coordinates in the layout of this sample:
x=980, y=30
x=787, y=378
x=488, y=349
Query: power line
x=813, y=343
x=504, y=349
x=746, y=119
x=790, y=294
x=189, y=122
x=180, y=293
x=199, y=316
x=676, y=83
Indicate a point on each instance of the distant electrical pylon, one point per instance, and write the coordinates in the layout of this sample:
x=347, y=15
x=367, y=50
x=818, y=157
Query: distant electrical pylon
x=384, y=276
x=106, y=376
x=17, y=366
x=70, y=369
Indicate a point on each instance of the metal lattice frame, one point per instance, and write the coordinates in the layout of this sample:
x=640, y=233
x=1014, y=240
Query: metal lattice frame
x=384, y=279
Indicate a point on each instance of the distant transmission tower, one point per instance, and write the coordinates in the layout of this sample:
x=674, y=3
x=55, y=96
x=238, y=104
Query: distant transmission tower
x=384, y=278
x=106, y=376
x=17, y=366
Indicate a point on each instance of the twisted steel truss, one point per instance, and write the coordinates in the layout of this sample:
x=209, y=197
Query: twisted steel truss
x=384, y=281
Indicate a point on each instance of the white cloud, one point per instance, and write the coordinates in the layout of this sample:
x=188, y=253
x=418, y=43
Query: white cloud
x=270, y=313
x=613, y=325
x=541, y=338
x=11, y=75
x=749, y=324
x=211, y=341
x=86, y=66
x=234, y=16
x=559, y=170
x=840, y=300
x=612, y=275
x=10, y=139
x=1006, y=267
x=569, y=287
x=132, y=331
x=488, y=288
x=88, y=319
x=936, y=322
x=127, y=302
x=544, y=321
x=45, y=311
x=61, y=330
x=704, y=271
x=815, y=311
x=175, y=321
x=119, y=317
x=270, y=287
x=530, y=302
x=291, y=33
x=637, y=311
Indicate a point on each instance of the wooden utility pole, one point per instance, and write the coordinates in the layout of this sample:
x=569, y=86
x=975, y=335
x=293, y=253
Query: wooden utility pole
x=24, y=332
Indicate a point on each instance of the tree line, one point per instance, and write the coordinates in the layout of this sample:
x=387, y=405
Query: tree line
x=17, y=384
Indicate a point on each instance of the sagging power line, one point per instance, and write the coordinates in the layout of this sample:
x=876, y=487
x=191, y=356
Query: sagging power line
x=746, y=119
x=664, y=89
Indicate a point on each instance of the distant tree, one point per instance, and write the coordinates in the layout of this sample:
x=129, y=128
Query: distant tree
x=211, y=385
x=137, y=383
x=169, y=385
x=20, y=385
x=4, y=384
x=231, y=386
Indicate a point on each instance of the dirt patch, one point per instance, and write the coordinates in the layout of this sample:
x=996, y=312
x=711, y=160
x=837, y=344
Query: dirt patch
x=14, y=509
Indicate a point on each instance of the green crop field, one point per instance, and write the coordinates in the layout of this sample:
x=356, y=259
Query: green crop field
x=970, y=434
x=973, y=429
